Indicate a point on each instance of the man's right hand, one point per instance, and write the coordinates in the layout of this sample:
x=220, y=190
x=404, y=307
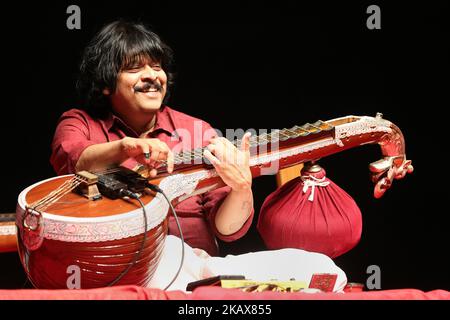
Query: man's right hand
x=157, y=150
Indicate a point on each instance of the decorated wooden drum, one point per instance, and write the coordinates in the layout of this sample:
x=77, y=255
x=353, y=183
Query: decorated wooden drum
x=93, y=240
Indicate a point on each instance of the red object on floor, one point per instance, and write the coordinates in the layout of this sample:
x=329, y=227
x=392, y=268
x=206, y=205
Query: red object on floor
x=311, y=213
x=213, y=293
x=354, y=287
x=323, y=281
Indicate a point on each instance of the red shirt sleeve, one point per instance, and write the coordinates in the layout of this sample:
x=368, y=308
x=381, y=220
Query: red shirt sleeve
x=71, y=137
x=212, y=201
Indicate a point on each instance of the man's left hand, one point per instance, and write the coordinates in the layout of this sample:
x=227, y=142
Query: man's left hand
x=231, y=163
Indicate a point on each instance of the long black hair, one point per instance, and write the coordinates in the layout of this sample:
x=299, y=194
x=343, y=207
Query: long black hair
x=116, y=46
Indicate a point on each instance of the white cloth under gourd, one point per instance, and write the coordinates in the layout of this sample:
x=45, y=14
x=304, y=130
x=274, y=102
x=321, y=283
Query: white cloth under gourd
x=283, y=264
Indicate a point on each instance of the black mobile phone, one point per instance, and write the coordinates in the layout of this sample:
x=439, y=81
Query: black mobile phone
x=212, y=281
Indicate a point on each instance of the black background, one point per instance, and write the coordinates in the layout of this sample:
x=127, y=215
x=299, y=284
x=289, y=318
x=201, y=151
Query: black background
x=264, y=66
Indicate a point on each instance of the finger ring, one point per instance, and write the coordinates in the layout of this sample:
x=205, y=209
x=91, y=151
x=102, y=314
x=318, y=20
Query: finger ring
x=147, y=155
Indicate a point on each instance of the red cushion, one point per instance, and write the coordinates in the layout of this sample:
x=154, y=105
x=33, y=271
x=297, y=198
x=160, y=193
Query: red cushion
x=327, y=221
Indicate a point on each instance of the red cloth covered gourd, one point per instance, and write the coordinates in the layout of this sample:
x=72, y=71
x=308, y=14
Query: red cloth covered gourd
x=311, y=213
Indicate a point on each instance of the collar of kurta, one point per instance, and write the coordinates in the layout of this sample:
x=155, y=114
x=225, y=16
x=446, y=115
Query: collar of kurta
x=164, y=123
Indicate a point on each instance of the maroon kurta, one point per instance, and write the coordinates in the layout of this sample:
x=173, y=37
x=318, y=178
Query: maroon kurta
x=77, y=130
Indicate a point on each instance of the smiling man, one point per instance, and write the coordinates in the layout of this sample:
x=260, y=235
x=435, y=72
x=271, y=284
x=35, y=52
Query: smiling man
x=124, y=81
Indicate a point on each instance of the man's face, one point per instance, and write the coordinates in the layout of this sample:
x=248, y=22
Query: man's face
x=140, y=89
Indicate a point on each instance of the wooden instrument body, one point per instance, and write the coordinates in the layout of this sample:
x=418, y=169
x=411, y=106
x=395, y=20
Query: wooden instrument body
x=97, y=264
x=97, y=239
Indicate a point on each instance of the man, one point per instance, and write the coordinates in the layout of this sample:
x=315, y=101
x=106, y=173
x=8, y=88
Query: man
x=124, y=79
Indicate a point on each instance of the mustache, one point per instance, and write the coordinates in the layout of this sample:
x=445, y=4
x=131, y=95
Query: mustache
x=146, y=86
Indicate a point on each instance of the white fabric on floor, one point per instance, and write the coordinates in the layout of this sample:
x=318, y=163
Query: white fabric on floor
x=283, y=264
